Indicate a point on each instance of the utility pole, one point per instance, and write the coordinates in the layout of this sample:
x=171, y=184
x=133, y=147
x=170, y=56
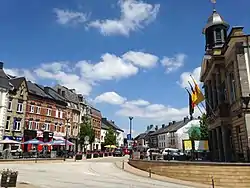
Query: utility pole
x=66, y=137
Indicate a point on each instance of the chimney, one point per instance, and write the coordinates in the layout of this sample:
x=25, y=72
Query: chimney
x=151, y=126
x=63, y=93
x=148, y=128
x=174, y=122
x=46, y=90
x=1, y=65
x=156, y=127
x=185, y=119
x=112, y=121
x=73, y=90
x=163, y=125
x=59, y=91
x=170, y=123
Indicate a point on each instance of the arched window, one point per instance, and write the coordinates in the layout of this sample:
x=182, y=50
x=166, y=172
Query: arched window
x=218, y=37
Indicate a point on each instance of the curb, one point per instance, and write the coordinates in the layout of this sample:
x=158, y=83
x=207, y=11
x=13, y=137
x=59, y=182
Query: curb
x=133, y=170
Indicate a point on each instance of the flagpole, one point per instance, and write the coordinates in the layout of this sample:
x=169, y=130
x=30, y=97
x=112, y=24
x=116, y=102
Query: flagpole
x=199, y=109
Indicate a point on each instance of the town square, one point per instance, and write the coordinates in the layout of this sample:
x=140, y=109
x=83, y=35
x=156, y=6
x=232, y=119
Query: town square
x=124, y=93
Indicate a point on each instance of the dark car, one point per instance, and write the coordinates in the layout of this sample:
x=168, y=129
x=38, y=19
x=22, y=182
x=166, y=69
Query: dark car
x=118, y=152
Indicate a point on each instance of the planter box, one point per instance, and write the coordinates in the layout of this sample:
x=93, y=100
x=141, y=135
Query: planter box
x=100, y=154
x=95, y=155
x=9, y=180
x=88, y=156
x=78, y=157
x=110, y=154
x=106, y=154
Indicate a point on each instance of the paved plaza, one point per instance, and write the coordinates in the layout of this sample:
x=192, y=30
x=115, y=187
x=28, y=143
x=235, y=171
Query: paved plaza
x=99, y=173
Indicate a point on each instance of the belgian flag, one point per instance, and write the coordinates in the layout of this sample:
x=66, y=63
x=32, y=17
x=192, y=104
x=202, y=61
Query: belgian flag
x=191, y=104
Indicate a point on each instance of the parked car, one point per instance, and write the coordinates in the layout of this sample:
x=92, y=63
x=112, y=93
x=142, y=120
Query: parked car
x=172, y=154
x=118, y=152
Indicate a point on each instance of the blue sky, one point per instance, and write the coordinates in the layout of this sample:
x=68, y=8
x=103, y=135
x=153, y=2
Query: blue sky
x=130, y=58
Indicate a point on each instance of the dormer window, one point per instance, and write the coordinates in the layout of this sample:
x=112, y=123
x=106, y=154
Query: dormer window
x=218, y=37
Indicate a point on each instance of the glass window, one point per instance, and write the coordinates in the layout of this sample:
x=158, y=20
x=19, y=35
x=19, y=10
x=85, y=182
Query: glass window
x=30, y=125
x=7, y=126
x=10, y=105
x=38, y=109
x=20, y=107
x=32, y=109
x=48, y=112
x=17, y=125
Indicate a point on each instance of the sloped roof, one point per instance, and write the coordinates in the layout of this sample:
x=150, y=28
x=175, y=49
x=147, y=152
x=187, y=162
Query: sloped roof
x=4, y=81
x=35, y=89
x=111, y=124
x=16, y=82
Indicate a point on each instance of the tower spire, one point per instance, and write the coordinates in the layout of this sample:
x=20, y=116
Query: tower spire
x=214, y=4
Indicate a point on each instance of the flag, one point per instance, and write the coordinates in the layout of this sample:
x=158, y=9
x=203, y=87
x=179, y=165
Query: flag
x=193, y=95
x=191, y=104
x=199, y=95
x=213, y=1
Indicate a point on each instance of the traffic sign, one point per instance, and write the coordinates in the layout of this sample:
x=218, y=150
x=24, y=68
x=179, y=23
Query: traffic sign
x=129, y=137
x=86, y=138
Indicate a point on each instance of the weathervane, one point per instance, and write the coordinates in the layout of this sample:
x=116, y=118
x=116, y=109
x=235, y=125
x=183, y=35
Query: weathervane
x=214, y=3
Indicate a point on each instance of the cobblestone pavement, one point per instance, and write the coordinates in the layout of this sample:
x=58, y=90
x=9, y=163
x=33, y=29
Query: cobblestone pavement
x=96, y=173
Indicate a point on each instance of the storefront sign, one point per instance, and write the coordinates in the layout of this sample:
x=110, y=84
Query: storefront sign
x=187, y=145
x=201, y=145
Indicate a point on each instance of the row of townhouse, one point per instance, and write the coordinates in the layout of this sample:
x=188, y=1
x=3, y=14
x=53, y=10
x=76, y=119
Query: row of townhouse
x=167, y=136
x=29, y=110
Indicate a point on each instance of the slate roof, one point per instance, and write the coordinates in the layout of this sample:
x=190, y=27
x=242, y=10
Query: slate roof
x=69, y=94
x=4, y=81
x=111, y=124
x=16, y=82
x=35, y=89
x=104, y=126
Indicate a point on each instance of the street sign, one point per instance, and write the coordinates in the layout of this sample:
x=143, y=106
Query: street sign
x=86, y=142
x=129, y=137
x=86, y=138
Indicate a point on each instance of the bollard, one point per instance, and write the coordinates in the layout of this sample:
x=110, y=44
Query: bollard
x=149, y=173
x=212, y=182
x=123, y=164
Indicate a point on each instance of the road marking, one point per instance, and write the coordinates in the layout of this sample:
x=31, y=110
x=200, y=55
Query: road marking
x=91, y=174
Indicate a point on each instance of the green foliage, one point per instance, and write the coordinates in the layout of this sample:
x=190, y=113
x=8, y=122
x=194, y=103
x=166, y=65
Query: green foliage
x=110, y=137
x=86, y=130
x=194, y=133
x=204, y=127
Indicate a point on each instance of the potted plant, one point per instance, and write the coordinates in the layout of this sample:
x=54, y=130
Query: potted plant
x=101, y=154
x=88, y=155
x=95, y=155
x=8, y=178
x=106, y=154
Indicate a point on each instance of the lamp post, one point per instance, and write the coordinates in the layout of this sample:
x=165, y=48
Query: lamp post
x=66, y=136
x=130, y=126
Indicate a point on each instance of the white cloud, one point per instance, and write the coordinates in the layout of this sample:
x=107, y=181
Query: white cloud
x=111, y=98
x=139, y=102
x=21, y=72
x=70, y=17
x=173, y=63
x=185, y=77
x=135, y=14
x=111, y=67
x=143, y=109
x=141, y=59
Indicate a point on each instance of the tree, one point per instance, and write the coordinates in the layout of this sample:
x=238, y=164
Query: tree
x=86, y=130
x=194, y=133
x=110, y=137
x=204, y=127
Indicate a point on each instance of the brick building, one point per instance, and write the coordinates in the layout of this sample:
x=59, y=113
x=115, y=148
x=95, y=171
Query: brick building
x=96, y=122
x=73, y=111
x=225, y=73
x=44, y=114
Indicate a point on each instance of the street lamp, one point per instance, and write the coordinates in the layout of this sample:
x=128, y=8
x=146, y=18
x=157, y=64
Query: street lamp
x=66, y=137
x=130, y=126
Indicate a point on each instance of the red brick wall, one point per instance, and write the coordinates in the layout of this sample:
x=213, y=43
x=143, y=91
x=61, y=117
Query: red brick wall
x=43, y=103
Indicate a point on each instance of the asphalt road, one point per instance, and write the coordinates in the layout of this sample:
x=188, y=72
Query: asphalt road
x=100, y=173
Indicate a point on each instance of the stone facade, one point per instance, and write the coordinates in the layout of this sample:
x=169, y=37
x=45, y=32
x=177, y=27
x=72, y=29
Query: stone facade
x=226, y=79
x=16, y=109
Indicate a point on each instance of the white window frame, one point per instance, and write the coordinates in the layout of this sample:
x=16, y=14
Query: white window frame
x=38, y=110
x=32, y=108
x=20, y=107
x=36, y=125
x=57, y=113
x=10, y=105
x=46, y=126
x=61, y=114
x=7, y=121
x=30, y=127
x=18, y=124
x=49, y=111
